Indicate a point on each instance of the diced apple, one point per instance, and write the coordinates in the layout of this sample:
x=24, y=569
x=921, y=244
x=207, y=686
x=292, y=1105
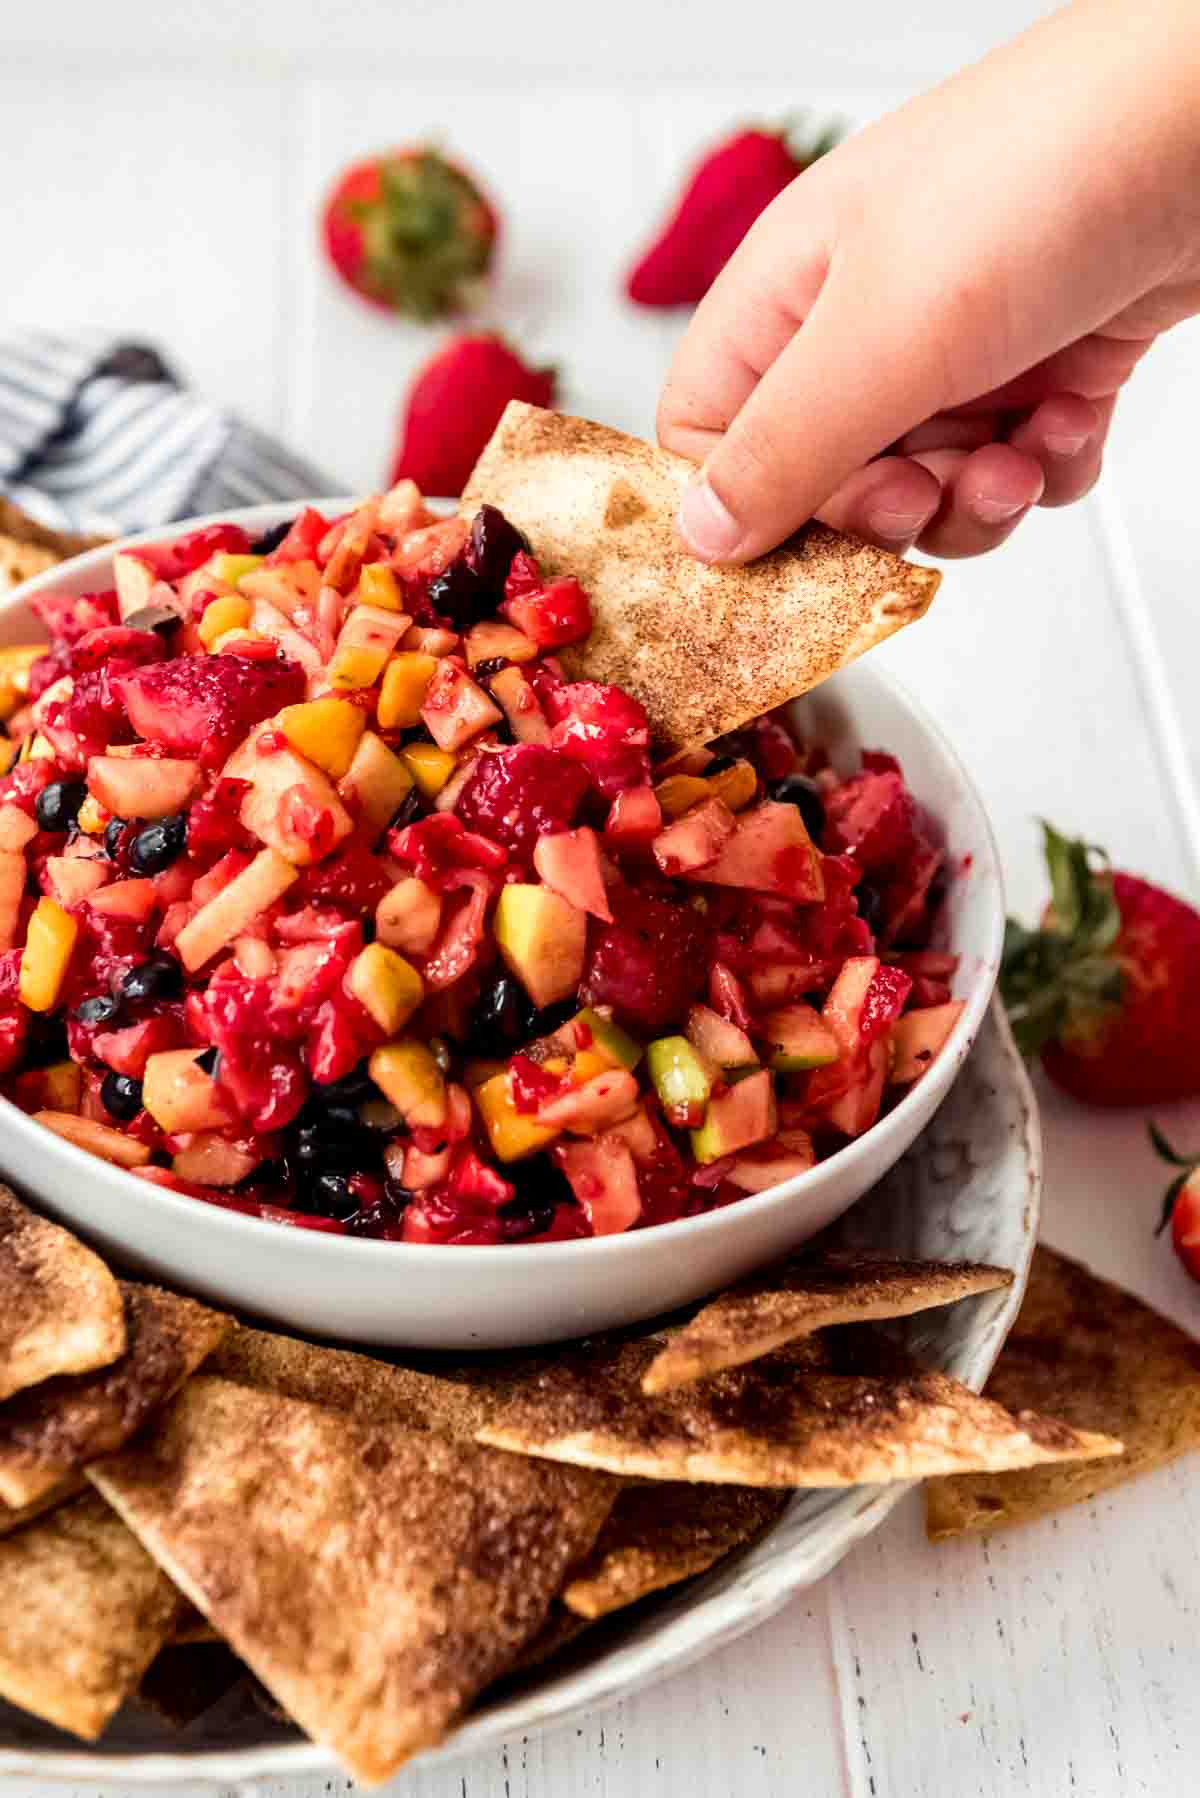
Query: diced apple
x=770, y=852
x=855, y=1110
x=291, y=805
x=513, y=1134
x=365, y=642
x=284, y=585
x=695, y=840
x=490, y=638
x=227, y=915
x=409, y=916
x=134, y=899
x=782, y=981
x=526, y=718
x=638, y=1133
x=634, y=819
x=98, y=1139
x=407, y=1073
x=737, y=1118
x=587, y=1109
x=569, y=862
x=843, y=1008
x=16, y=827
x=73, y=879
x=49, y=943
x=682, y=1077
x=797, y=1037
x=212, y=1160
x=593, y=1030
x=919, y=1037
x=542, y=939
x=180, y=1096
x=134, y=578
x=718, y=1039
x=456, y=708
x=757, y=1170
x=143, y=786
x=603, y=1178
x=268, y=621
x=430, y=640
x=327, y=731
x=402, y=693
x=377, y=781
x=385, y=985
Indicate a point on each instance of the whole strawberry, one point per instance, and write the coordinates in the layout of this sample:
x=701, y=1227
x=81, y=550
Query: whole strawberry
x=454, y=405
x=1108, y=989
x=1181, y=1204
x=725, y=193
x=410, y=232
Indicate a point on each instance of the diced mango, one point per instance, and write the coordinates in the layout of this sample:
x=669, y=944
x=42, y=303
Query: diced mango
x=93, y=817
x=734, y=786
x=405, y=680
x=542, y=938
x=679, y=792
x=429, y=766
x=407, y=1073
x=47, y=954
x=385, y=985
x=232, y=568
x=378, y=586
x=513, y=1134
x=365, y=642
x=378, y=781
x=327, y=731
x=229, y=613
x=9, y=751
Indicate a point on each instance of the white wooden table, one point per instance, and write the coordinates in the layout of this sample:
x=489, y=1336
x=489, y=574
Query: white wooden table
x=160, y=174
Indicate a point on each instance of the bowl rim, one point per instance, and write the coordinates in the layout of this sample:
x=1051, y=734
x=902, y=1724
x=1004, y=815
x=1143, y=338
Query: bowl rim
x=238, y=1226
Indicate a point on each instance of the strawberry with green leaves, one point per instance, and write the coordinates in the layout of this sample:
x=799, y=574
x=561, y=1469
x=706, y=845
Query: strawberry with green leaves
x=1107, y=989
x=410, y=232
x=1181, y=1203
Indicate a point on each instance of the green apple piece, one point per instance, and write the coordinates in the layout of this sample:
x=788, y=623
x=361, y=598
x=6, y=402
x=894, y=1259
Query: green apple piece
x=542, y=939
x=797, y=1037
x=737, y=1117
x=682, y=1078
x=623, y=1050
x=231, y=568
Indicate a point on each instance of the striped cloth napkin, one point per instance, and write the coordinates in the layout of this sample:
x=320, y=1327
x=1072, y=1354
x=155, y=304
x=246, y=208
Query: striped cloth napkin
x=97, y=436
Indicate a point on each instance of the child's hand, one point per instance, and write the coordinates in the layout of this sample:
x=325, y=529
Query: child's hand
x=965, y=286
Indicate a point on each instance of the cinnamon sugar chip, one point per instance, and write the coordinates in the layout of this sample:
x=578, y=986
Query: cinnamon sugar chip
x=704, y=649
x=374, y=1578
x=768, y=1310
x=792, y=1419
x=50, y=1432
x=60, y=1308
x=1102, y=1360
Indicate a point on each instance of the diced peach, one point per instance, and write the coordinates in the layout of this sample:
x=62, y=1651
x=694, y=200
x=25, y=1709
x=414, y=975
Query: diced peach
x=695, y=840
x=409, y=916
x=456, y=708
x=525, y=716
x=385, y=985
x=569, y=862
x=217, y=924
x=16, y=827
x=402, y=694
x=98, y=1139
x=491, y=637
x=72, y=878
x=212, y=1160
x=143, y=786
x=180, y=1096
x=134, y=899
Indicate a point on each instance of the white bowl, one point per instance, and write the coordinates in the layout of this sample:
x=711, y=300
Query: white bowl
x=412, y=1295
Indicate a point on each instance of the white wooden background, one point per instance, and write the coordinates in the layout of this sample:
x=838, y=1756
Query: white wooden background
x=159, y=171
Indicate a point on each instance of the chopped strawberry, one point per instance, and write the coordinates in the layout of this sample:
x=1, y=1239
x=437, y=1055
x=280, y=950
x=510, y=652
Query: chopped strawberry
x=520, y=794
x=553, y=615
x=604, y=730
x=649, y=964
x=204, y=705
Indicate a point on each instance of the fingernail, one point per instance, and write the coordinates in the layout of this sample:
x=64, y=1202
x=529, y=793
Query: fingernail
x=707, y=525
x=997, y=511
x=1063, y=444
x=901, y=527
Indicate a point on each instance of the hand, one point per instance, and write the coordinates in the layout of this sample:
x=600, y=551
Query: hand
x=925, y=335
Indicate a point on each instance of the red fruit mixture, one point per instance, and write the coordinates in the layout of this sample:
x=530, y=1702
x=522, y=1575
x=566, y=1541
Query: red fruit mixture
x=326, y=897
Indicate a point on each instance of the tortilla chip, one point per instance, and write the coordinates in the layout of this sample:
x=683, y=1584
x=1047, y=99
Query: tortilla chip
x=787, y=1420
x=374, y=1578
x=561, y=1628
x=704, y=649
x=768, y=1310
x=50, y=1432
x=184, y=1681
x=60, y=1308
x=1102, y=1360
x=16, y=1519
x=83, y=1611
x=662, y=1533
x=21, y=561
x=192, y=1629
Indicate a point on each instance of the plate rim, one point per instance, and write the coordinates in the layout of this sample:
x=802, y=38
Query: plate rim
x=855, y=1515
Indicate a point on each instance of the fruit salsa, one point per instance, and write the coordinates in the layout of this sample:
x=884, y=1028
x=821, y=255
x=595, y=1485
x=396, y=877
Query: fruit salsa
x=326, y=897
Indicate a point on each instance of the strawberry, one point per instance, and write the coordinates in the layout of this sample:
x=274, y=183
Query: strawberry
x=410, y=232
x=1108, y=989
x=727, y=190
x=1181, y=1204
x=454, y=405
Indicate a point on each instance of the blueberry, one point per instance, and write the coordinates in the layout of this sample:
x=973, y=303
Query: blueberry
x=330, y=1196
x=805, y=795
x=113, y=832
x=492, y=665
x=351, y=1089
x=491, y=547
x=541, y=1189
x=326, y=1145
x=100, y=1010
x=544, y=1023
x=503, y=1017
x=159, y=844
x=524, y=1217
x=461, y=596
x=720, y=764
x=159, y=977
x=408, y=809
x=870, y=906
x=270, y=540
x=45, y=1039
x=121, y=1096
x=57, y=806
x=209, y=1062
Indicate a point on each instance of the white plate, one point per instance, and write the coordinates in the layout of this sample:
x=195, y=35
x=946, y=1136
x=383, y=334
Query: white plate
x=969, y=1188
